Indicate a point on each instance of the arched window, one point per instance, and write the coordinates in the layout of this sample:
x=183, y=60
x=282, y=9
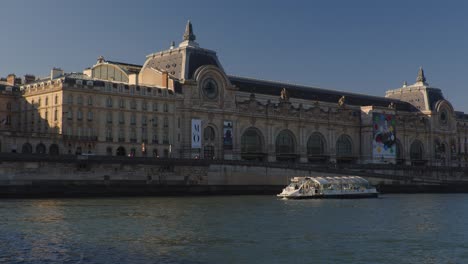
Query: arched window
x=252, y=145
x=416, y=150
x=316, y=148
x=316, y=145
x=344, y=147
x=285, y=146
x=54, y=149
x=40, y=148
x=121, y=151
x=27, y=148
x=209, y=133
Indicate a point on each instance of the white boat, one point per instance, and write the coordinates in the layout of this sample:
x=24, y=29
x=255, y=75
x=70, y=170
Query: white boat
x=328, y=187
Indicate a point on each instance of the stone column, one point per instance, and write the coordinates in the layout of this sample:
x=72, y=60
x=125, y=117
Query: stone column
x=302, y=147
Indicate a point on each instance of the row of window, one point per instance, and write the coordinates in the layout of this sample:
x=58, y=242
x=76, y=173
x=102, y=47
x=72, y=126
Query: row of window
x=121, y=136
x=133, y=120
x=133, y=105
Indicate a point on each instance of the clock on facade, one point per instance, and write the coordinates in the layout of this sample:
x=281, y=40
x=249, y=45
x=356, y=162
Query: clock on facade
x=210, y=88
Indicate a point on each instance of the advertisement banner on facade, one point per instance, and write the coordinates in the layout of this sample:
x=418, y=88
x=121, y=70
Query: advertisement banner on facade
x=196, y=133
x=383, y=143
x=227, y=139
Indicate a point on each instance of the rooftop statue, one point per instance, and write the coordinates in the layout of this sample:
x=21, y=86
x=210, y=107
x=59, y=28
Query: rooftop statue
x=284, y=95
x=341, y=102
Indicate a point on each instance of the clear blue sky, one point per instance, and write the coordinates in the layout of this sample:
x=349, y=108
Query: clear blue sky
x=357, y=46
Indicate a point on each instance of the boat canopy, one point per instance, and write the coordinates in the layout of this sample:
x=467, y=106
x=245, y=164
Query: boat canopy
x=343, y=181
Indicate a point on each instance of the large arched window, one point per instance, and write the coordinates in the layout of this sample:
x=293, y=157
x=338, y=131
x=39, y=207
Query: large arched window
x=285, y=146
x=252, y=145
x=344, y=146
x=416, y=150
x=121, y=151
x=209, y=133
x=40, y=148
x=26, y=149
x=54, y=149
x=316, y=145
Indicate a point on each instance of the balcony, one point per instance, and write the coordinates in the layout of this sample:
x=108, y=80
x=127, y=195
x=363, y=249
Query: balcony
x=109, y=139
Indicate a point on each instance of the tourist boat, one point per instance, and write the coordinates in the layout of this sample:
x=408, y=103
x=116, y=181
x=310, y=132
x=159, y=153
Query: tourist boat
x=328, y=187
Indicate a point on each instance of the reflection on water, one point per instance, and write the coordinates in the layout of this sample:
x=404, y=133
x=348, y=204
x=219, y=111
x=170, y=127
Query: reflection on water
x=235, y=229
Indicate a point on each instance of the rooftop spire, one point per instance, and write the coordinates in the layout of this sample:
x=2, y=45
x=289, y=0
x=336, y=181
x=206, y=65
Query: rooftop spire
x=421, y=77
x=188, y=35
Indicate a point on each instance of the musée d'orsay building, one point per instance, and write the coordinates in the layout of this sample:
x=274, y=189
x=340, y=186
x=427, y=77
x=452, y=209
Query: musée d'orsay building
x=181, y=104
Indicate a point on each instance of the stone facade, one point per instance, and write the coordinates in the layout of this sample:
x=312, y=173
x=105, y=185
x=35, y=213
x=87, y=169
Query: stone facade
x=115, y=108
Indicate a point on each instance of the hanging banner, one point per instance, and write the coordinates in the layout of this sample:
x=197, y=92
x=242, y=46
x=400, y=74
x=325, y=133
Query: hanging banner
x=196, y=133
x=383, y=143
x=227, y=139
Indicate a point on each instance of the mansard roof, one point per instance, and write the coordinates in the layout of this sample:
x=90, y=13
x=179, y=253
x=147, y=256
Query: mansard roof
x=172, y=61
x=316, y=94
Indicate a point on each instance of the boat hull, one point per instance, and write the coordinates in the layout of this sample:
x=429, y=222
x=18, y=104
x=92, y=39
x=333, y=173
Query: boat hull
x=334, y=196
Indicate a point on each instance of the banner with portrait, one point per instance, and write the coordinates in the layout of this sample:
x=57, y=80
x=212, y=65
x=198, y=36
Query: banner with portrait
x=227, y=138
x=384, y=137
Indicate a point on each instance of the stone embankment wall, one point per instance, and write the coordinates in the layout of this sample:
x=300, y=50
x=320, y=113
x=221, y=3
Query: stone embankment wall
x=132, y=177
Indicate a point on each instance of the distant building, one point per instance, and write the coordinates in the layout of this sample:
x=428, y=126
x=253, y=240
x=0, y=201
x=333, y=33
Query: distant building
x=181, y=103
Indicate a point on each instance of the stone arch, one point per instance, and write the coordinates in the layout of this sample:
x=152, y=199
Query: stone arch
x=54, y=149
x=40, y=148
x=344, y=148
x=316, y=147
x=416, y=151
x=27, y=148
x=121, y=151
x=252, y=144
x=285, y=146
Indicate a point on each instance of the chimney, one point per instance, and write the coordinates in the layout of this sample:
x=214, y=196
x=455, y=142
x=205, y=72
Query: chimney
x=55, y=73
x=11, y=79
x=29, y=78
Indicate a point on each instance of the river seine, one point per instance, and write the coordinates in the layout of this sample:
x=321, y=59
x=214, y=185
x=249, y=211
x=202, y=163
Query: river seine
x=399, y=228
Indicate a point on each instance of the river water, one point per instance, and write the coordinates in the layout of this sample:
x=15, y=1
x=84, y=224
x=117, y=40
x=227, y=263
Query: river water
x=403, y=228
